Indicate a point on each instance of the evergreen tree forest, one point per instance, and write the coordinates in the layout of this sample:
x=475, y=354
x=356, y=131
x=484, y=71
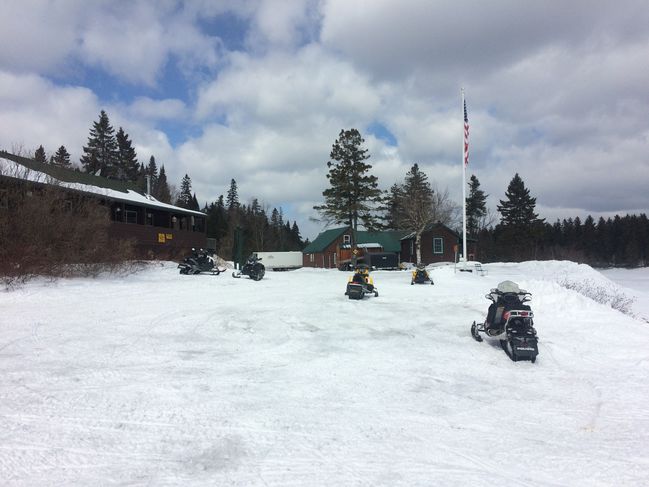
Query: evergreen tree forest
x=621, y=241
x=521, y=235
x=260, y=228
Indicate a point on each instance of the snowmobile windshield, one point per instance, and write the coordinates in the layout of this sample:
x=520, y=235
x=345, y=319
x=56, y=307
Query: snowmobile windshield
x=507, y=287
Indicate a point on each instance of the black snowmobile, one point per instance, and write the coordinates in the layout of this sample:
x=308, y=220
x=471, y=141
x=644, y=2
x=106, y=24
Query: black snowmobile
x=510, y=321
x=253, y=268
x=361, y=283
x=420, y=276
x=200, y=261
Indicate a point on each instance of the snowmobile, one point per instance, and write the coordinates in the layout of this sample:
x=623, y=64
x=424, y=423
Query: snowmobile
x=253, y=268
x=361, y=283
x=510, y=321
x=420, y=275
x=200, y=261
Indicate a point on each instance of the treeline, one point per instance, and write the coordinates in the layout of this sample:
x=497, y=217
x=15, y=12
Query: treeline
x=522, y=235
x=618, y=241
x=242, y=229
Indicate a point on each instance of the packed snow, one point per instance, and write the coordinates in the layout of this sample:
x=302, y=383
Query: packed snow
x=163, y=379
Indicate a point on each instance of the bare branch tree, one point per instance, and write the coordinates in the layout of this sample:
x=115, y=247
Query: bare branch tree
x=414, y=208
x=445, y=210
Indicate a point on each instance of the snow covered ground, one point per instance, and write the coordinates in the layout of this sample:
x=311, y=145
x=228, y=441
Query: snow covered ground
x=163, y=379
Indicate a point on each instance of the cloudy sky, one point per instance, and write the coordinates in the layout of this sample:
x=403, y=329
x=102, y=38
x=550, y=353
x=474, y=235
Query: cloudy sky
x=258, y=90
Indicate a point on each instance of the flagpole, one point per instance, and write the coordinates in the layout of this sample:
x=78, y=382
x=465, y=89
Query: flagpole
x=464, y=149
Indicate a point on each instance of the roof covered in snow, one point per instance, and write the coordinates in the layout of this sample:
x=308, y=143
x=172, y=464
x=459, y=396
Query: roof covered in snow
x=28, y=169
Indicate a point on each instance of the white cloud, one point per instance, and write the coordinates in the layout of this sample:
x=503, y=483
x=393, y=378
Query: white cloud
x=131, y=40
x=281, y=24
x=167, y=109
x=34, y=111
x=282, y=113
x=556, y=92
x=38, y=36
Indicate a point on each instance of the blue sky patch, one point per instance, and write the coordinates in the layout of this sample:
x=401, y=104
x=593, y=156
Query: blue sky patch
x=380, y=131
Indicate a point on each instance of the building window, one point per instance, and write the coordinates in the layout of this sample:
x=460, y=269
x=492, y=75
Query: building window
x=412, y=248
x=4, y=198
x=131, y=216
x=199, y=224
x=311, y=257
x=347, y=239
x=438, y=246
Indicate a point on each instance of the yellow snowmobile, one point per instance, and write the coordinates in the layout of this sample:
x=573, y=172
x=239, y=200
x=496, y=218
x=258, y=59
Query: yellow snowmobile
x=361, y=283
x=420, y=275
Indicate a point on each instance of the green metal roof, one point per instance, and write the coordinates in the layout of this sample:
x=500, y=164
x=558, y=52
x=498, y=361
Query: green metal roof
x=323, y=240
x=389, y=240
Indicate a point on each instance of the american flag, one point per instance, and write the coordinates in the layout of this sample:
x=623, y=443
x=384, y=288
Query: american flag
x=466, y=136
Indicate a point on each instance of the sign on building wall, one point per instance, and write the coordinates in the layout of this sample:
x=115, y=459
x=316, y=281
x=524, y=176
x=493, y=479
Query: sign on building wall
x=165, y=237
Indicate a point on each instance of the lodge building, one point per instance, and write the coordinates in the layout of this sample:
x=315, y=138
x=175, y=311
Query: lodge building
x=159, y=230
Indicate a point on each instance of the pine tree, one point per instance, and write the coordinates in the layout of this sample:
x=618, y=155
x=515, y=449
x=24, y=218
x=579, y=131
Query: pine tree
x=127, y=164
x=140, y=182
x=194, y=204
x=354, y=196
x=476, y=207
x=62, y=158
x=589, y=237
x=217, y=222
x=392, y=201
x=162, y=191
x=100, y=155
x=256, y=224
x=274, y=240
x=152, y=172
x=520, y=228
x=232, y=198
x=39, y=155
x=518, y=208
x=185, y=199
x=296, y=237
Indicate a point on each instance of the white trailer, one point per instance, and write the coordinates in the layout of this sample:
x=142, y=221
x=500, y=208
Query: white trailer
x=280, y=261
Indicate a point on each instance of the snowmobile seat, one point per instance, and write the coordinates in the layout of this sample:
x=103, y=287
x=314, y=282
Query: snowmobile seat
x=358, y=279
x=510, y=301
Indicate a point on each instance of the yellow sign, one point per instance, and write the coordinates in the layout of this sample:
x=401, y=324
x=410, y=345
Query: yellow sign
x=161, y=238
x=170, y=236
x=355, y=251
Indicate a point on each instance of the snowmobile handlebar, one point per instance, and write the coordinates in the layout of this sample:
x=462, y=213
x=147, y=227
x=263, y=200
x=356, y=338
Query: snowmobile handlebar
x=524, y=296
